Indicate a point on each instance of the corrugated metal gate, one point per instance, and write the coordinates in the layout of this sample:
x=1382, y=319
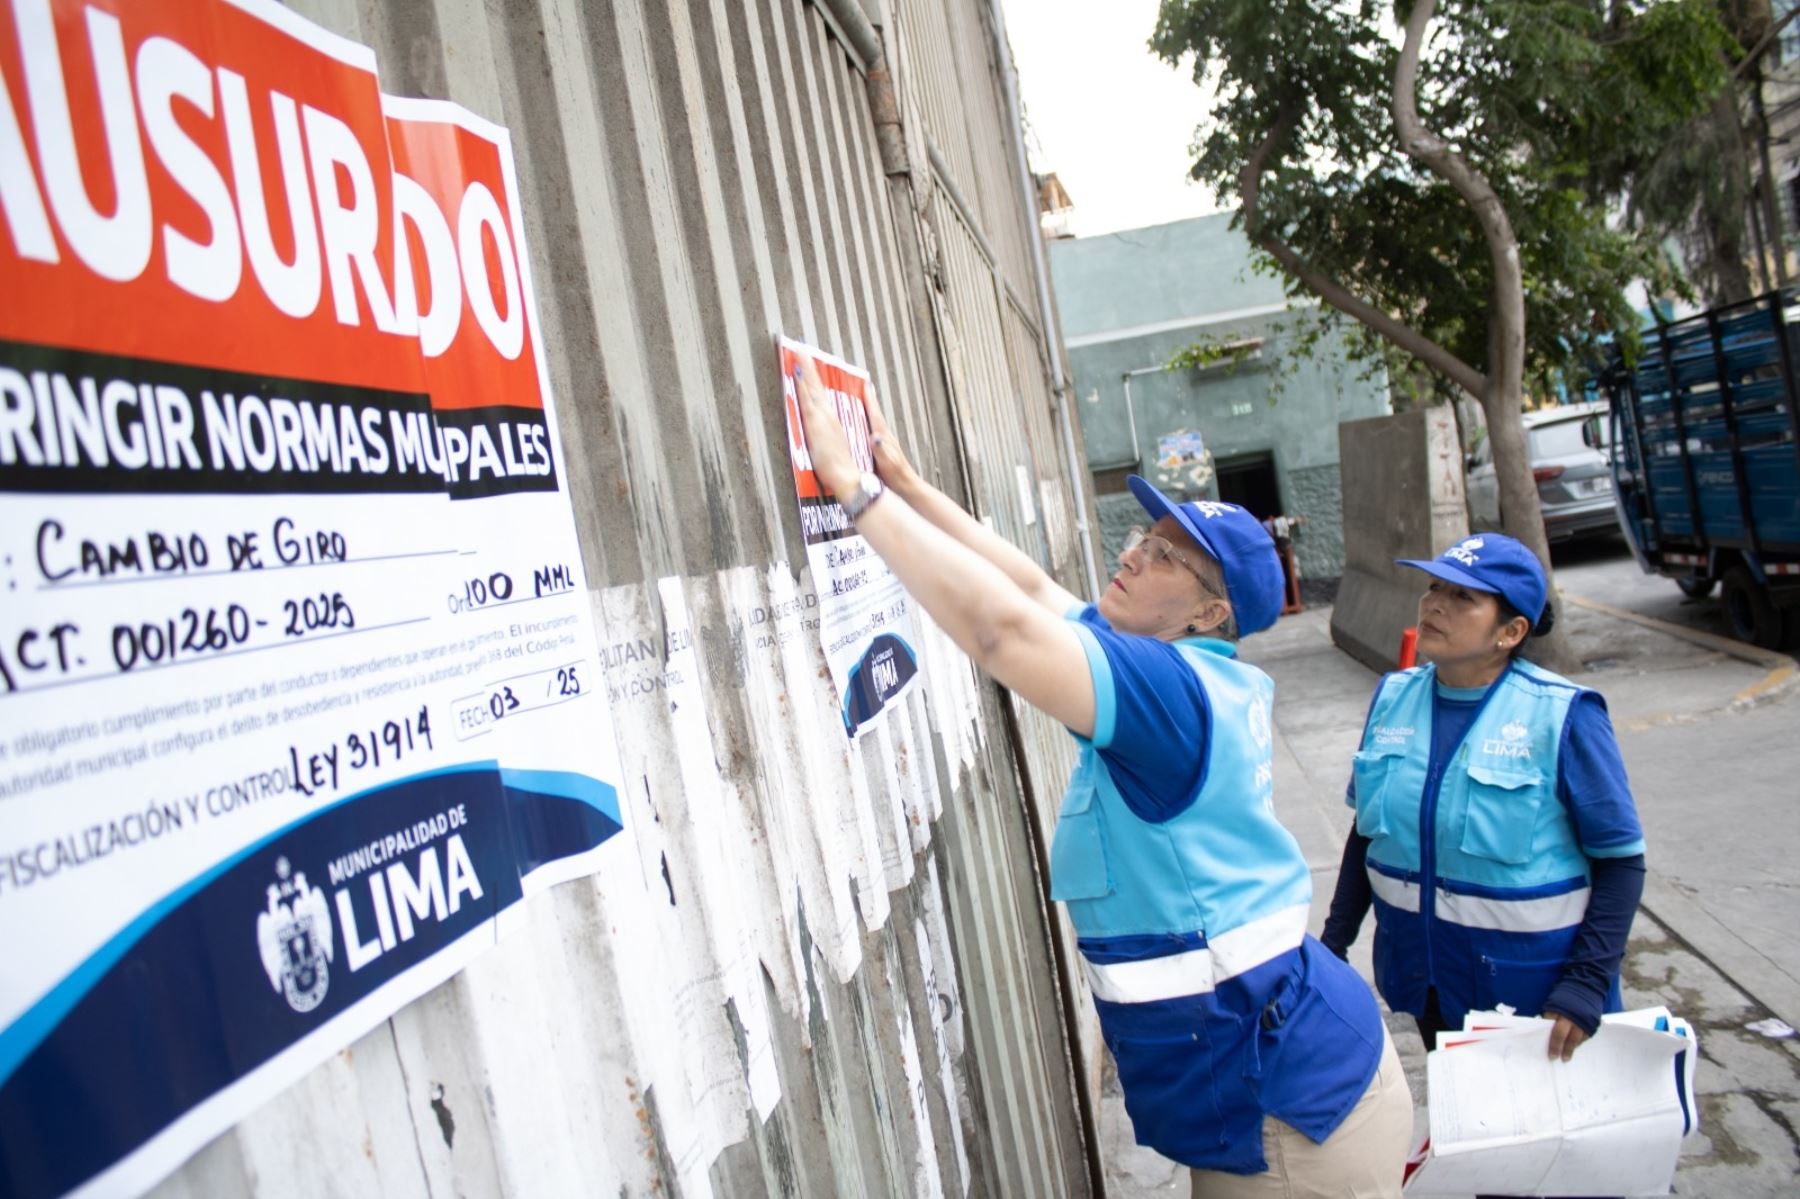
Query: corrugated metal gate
x=995, y=351
x=854, y=940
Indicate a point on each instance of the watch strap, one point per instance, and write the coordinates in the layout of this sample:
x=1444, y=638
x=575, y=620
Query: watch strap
x=868, y=490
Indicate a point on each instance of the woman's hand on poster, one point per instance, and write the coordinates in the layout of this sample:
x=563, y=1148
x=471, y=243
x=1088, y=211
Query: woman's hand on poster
x=1566, y=1036
x=825, y=439
x=890, y=459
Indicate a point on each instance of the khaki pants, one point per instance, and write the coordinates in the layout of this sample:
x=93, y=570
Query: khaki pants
x=1362, y=1159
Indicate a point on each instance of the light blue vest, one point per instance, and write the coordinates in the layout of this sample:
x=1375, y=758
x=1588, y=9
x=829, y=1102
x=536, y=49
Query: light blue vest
x=1479, y=880
x=1228, y=863
x=1217, y=1006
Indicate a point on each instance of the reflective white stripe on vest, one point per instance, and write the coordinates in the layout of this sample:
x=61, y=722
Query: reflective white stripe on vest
x=1394, y=892
x=1539, y=915
x=1197, y=971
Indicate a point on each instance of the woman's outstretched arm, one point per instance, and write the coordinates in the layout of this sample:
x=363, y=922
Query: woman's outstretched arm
x=1008, y=633
x=946, y=514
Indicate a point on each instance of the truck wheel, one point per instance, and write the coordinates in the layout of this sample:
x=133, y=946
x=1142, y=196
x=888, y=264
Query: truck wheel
x=1749, y=612
x=1697, y=586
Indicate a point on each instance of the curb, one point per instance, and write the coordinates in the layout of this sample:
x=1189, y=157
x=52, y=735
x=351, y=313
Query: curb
x=1782, y=673
x=1740, y=963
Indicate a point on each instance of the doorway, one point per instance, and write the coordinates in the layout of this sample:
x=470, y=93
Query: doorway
x=1249, y=482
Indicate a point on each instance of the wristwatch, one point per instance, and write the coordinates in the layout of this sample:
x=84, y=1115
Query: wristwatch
x=868, y=490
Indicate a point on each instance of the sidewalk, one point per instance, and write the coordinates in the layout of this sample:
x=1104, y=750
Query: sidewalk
x=1712, y=744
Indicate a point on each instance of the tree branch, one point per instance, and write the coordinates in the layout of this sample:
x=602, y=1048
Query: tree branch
x=1754, y=55
x=1506, y=365
x=1329, y=289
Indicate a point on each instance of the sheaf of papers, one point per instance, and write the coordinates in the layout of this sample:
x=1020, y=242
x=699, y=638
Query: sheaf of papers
x=1507, y=1118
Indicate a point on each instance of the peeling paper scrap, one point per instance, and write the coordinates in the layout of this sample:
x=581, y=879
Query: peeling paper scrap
x=927, y=766
x=781, y=810
x=716, y=826
x=926, y=1180
x=938, y=1007
x=834, y=925
x=859, y=815
x=701, y=1091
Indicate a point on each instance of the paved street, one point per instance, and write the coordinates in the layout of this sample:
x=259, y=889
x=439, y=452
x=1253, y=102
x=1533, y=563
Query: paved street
x=1604, y=569
x=1723, y=869
x=1713, y=750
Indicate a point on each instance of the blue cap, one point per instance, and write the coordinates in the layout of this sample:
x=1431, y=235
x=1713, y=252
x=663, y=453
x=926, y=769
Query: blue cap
x=1494, y=563
x=1237, y=541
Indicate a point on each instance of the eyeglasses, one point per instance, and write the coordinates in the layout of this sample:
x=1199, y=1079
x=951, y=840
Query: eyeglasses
x=1154, y=549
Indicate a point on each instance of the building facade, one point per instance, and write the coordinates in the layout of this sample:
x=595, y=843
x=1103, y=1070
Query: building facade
x=1253, y=419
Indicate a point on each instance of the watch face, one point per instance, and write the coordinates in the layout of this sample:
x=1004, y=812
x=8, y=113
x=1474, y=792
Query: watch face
x=867, y=489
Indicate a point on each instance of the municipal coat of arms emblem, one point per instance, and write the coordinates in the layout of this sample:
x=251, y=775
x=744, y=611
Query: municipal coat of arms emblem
x=294, y=935
x=1259, y=722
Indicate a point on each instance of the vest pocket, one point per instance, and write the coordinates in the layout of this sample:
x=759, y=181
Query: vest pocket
x=1078, y=867
x=1369, y=769
x=1521, y=985
x=1172, y=1097
x=1500, y=815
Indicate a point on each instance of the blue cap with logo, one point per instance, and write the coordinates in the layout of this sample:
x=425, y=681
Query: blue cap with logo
x=1237, y=541
x=1495, y=563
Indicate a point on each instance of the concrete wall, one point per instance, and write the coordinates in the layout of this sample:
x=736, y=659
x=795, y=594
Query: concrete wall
x=1148, y=276
x=1118, y=513
x=1403, y=498
x=695, y=178
x=1315, y=492
x=1129, y=301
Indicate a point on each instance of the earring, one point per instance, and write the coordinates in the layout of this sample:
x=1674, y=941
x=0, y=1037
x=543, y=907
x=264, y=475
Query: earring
x=1192, y=628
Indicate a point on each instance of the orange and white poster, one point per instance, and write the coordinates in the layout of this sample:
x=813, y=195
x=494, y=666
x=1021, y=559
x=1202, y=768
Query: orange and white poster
x=865, y=615
x=299, y=689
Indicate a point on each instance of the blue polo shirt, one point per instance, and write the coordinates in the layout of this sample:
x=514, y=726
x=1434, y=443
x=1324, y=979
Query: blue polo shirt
x=1145, y=700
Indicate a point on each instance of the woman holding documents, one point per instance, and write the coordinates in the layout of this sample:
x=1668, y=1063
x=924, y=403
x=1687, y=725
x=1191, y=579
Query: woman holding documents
x=1495, y=830
x=1244, y=1050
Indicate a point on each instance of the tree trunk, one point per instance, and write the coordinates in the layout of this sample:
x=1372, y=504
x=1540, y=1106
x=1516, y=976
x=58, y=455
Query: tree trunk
x=1771, y=206
x=1723, y=213
x=1502, y=395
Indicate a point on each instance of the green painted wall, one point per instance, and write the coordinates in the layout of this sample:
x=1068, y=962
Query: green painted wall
x=1131, y=300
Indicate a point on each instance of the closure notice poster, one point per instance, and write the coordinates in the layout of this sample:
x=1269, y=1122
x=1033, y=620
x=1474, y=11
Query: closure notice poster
x=299, y=690
x=865, y=615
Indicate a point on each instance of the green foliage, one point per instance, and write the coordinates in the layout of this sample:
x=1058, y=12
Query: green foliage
x=1560, y=104
x=1303, y=334
x=1210, y=352
x=1700, y=189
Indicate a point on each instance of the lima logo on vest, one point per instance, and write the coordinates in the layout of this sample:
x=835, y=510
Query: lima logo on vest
x=1512, y=743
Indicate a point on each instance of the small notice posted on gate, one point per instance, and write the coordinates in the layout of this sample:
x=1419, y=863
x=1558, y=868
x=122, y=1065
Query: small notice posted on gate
x=865, y=615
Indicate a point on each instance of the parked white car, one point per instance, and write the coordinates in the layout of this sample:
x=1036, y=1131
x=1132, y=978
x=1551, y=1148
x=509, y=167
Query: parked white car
x=1574, y=479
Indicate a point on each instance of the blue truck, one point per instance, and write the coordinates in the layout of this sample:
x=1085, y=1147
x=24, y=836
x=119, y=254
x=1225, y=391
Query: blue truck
x=1705, y=451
